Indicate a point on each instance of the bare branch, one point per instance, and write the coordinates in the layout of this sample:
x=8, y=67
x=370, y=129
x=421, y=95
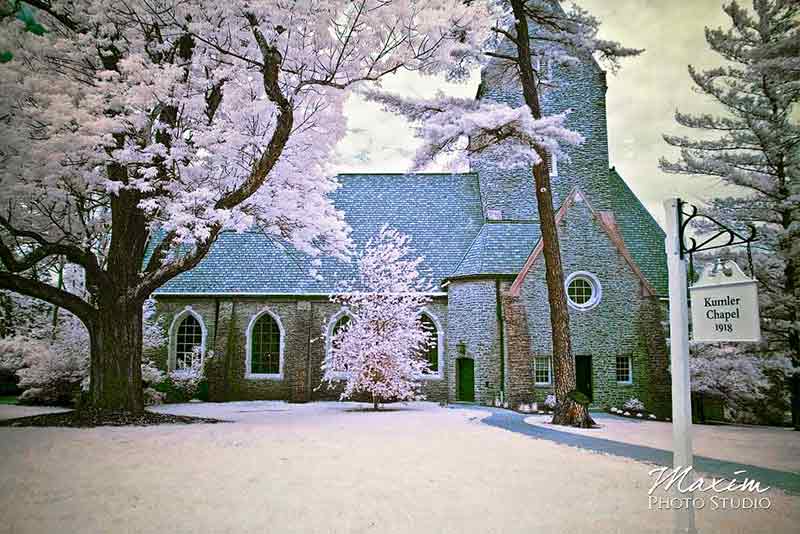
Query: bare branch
x=48, y=293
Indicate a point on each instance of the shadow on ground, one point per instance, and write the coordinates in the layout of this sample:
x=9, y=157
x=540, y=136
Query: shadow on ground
x=515, y=422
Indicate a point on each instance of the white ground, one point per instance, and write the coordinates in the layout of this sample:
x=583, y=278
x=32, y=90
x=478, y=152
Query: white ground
x=764, y=446
x=327, y=468
x=12, y=411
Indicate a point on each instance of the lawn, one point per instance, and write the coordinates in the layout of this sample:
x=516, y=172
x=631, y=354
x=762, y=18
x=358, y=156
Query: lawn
x=331, y=468
x=8, y=400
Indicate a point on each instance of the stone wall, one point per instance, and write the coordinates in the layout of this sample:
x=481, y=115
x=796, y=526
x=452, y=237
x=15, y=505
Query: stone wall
x=304, y=324
x=624, y=323
x=520, y=383
x=473, y=333
x=579, y=89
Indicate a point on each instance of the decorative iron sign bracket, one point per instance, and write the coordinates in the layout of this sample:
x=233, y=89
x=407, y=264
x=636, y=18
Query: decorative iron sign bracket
x=733, y=237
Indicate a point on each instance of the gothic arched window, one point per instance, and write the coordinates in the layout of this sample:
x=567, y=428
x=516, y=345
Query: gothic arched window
x=265, y=346
x=431, y=350
x=188, y=341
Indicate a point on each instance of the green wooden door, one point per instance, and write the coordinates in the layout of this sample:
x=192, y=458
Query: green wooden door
x=465, y=376
x=583, y=375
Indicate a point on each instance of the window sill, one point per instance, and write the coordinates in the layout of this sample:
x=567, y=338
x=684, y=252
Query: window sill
x=543, y=384
x=262, y=376
x=628, y=383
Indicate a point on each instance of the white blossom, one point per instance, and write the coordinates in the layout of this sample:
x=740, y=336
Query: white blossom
x=380, y=351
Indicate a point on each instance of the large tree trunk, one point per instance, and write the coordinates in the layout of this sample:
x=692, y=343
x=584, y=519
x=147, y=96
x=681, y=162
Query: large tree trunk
x=567, y=412
x=116, y=332
x=116, y=358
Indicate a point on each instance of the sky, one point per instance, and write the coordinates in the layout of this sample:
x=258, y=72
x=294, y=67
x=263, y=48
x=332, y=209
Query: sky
x=642, y=98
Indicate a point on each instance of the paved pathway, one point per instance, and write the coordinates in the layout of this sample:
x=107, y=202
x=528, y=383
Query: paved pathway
x=515, y=422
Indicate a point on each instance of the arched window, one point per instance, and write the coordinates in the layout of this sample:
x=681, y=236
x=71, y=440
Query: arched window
x=188, y=340
x=431, y=349
x=337, y=323
x=341, y=323
x=265, y=342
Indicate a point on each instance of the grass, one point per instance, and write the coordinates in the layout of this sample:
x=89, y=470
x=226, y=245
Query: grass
x=8, y=400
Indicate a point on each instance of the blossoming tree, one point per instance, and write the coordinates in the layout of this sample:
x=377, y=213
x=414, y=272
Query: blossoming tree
x=380, y=351
x=136, y=131
x=521, y=136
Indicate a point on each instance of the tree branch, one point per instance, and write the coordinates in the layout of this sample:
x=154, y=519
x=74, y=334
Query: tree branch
x=270, y=73
x=157, y=274
x=39, y=290
x=73, y=254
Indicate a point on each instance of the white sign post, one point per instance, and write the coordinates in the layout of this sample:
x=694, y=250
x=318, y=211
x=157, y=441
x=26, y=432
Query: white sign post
x=724, y=308
x=679, y=360
x=725, y=305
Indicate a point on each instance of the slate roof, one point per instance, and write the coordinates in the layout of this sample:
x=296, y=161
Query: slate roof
x=643, y=236
x=441, y=212
x=501, y=247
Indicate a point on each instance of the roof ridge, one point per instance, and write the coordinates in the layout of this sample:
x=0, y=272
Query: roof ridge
x=620, y=179
x=469, y=248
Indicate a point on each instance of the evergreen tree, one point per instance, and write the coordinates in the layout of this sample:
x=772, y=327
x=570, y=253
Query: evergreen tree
x=752, y=145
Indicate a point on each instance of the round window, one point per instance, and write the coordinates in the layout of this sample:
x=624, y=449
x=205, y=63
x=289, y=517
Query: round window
x=583, y=290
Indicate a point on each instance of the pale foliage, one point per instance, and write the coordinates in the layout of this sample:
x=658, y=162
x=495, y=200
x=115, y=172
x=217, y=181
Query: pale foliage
x=53, y=362
x=634, y=405
x=151, y=374
x=550, y=401
x=52, y=373
x=137, y=131
x=734, y=373
x=187, y=379
x=153, y=397
x=445, y=123
x=380, y=351
x=13, y=352
x=173, y=93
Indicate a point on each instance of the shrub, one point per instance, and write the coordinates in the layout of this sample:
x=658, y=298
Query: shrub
x=13, y=351
x=550, y=401
x=171, y=393
x=151, y=375
x=634, y=405
x=182, y=385
x=51, y=378
x=54, y=362
x=153, y=397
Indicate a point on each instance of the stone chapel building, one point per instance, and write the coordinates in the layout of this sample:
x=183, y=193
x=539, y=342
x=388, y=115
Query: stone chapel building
x=253, y=302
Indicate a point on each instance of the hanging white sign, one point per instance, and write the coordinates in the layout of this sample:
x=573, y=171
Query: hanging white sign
x=724, y=304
